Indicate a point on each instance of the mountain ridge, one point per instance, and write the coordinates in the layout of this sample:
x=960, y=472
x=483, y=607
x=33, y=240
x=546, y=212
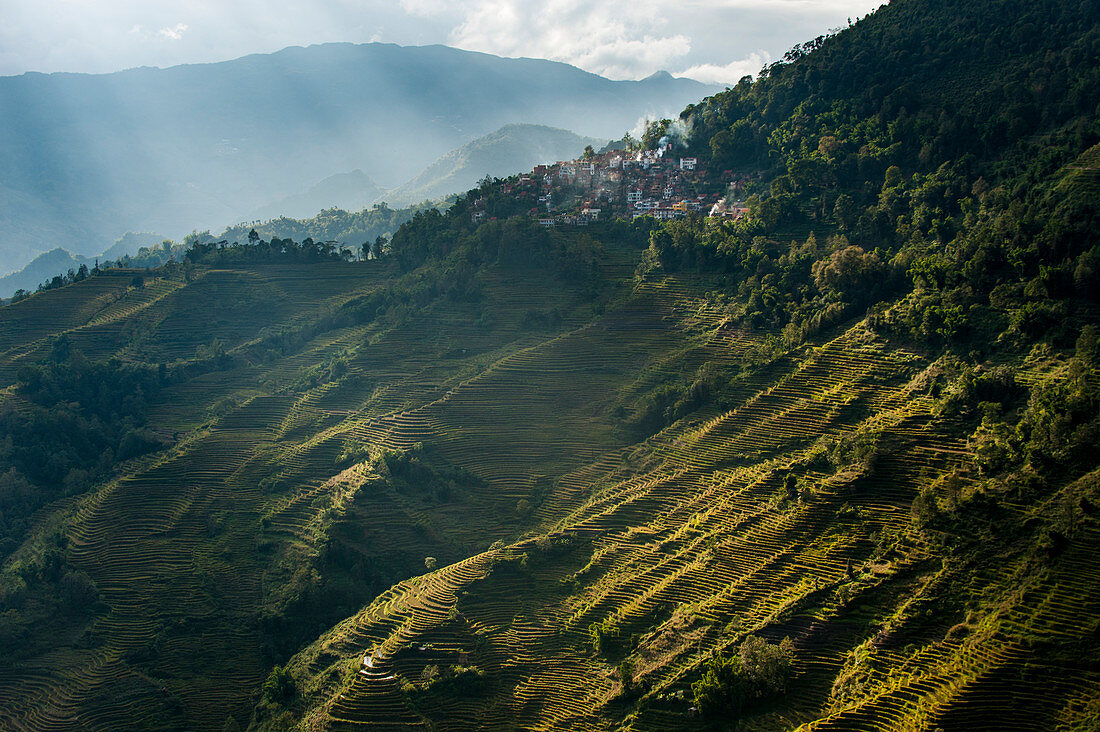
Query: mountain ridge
x=195, y=146
x=514, y=148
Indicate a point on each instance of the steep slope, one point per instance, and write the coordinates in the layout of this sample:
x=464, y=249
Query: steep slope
x=84, y=158
x=247, y=533
x=910, y=500
x=679, y=548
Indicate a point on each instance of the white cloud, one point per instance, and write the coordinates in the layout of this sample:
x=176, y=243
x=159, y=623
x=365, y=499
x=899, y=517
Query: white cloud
x=619, y=38
x=615, y=38
x=426, y=8
x=174, y=33
x=730, y=73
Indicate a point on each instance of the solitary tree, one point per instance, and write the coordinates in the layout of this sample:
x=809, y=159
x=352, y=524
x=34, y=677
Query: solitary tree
x=379, y=247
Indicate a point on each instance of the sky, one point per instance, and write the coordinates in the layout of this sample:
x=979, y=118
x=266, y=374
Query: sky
x=716, y=41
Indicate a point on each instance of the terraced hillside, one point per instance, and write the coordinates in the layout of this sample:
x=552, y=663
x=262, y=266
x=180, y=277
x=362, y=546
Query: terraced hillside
x=783, y=509
x=723, y=526
x=288, y=481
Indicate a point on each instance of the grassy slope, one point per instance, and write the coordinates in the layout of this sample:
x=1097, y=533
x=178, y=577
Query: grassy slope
x=685, y=544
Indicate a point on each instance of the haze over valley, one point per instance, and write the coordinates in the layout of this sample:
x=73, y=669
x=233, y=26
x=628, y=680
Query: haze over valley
x=86, y=158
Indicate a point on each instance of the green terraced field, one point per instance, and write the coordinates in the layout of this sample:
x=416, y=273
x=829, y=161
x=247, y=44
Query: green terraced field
x=678, y=546
x=683, y=544
x=186, y=546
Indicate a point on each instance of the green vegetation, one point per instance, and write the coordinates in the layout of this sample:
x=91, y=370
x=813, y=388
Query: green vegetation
x=348, y=228
x=730, y=684
x=78, y=420
x=502, y=476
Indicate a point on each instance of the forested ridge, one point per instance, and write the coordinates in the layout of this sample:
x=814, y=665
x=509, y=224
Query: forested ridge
x=829, y=465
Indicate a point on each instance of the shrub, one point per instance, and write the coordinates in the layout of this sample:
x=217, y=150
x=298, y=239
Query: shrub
x=605, y=637
x=730, y=684
x=457, y=681
x=77, y=590
x=279, y=686
x=723, y=688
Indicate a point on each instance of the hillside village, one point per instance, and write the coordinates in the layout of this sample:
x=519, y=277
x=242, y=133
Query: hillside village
x=624, y=184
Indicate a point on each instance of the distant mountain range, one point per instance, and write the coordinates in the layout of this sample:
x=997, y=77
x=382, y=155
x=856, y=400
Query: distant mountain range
x=511, y=149
x=514, y=148
x=349, y=191
x=58, y=261
x=85, y=158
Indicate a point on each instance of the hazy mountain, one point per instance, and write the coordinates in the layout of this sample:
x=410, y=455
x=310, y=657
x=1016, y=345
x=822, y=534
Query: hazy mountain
x=511, y=149
x=58, y=261
x=349, y=191
x=84, y=158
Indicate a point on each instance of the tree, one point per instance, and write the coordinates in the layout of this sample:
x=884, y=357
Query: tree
x=626, y=675
x=654, y=132
x=723, y=688
x=589, y=152
x=379, y=247
x=729, y=684
x=850, y=273
x=77, y=590
x=768, y=665
x=279, y=686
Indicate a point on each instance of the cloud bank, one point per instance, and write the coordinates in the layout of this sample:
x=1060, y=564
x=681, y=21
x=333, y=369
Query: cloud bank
x=729, y=73
x=614, y=38
x=711, y=40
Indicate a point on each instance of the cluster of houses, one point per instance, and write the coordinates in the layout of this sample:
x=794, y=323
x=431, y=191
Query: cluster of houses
x=624, y=184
